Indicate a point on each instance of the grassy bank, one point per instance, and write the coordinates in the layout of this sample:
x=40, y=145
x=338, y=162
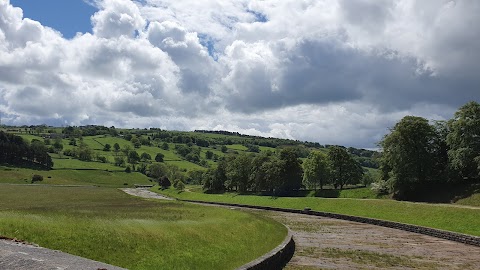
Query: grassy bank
x=110, y=226
x=443, y=217
x=14, y=175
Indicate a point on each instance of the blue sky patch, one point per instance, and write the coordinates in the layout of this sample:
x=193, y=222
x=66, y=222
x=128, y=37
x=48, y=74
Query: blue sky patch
x=209, y=43
x=66, y=16
x=259, y=17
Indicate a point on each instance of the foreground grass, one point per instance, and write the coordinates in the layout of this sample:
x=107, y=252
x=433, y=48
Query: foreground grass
x=110, y=226
x=14, y=175
x=443, y=217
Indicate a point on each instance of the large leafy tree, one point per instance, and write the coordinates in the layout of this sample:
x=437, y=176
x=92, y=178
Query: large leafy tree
x=316, y=170
x=344, y=169
x=292, y=170
x=259, y=177
x=464, y=141
x=238, y=172
x=409, y=155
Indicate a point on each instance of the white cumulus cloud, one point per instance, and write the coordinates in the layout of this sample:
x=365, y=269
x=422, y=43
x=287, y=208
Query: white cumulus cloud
x=332, y=71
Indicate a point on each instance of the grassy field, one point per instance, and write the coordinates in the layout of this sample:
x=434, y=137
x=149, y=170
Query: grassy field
x=103, y=178
x=108, y=225
x=444, y=217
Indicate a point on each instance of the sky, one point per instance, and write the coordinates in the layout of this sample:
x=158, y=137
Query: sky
x=329, y=71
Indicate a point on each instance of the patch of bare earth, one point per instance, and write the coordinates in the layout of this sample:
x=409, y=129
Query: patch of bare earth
x=323, y=243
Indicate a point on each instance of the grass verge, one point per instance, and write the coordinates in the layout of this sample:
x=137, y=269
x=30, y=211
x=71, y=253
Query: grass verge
x=443, y=217
x=108, y=225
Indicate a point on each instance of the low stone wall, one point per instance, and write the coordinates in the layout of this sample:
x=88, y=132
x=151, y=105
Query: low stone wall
x=275, y=259
x=452, y=236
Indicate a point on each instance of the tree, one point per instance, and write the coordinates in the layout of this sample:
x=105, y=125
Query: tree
x=316, y=170
x=238, y=172
x=292, y=170
x=145, y=156
x=165, y=146
x=214, y=179
x=179, y=185
x=159, y=157
x=464, y=141
x=195, y=177
x=116, y=147
x=344, y=169
x=157, y=170
x=133, y=157
x=224, y=149
x=107, y=147
x=258, y=172
x=273, y=171
x=119, y=161
x=57, y=145
x=209, y=154
x=408, y=159
x=72, y=141
x=164, y=182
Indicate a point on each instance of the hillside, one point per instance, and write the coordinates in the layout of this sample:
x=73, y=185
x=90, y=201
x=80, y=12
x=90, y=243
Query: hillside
x=152, y=141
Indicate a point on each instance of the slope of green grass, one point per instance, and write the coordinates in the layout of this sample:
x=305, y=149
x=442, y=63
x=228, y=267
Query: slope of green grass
x=72, y=177
x=472, y=200
x=110, y=226
x=71, y=163
x=444, y=217
x=237, y=147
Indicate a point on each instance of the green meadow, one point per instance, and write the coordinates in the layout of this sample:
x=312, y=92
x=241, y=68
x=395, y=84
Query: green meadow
x=14, y=175
x=108, y=225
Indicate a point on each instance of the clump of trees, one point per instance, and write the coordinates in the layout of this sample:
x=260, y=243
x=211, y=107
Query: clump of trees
x=16, y=151
x=277, y=173
x=418, y=154
x=337, y=168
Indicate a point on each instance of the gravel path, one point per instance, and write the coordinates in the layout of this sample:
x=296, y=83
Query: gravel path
x=324, y=243
x=20, y=256
x=144, y=193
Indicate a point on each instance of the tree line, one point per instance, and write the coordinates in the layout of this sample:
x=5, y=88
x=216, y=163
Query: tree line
x=16, y=151
x=418, y=154
x=282, y=172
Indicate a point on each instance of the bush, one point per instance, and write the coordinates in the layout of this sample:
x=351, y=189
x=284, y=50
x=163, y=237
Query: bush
x=107, y=147
x=180, y=185
x=381, y=187
x=37, y=178
x=128, y=169
x=164, y=182
x=159, y=157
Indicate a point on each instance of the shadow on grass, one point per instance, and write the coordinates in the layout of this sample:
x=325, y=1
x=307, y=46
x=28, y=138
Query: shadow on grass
x=444, y=193
x=25, y=165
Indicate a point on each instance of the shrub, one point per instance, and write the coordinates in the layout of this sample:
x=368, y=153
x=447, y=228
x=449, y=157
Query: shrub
x=37, y=178
x=128, y=169
x=159, y=157
x=381, y=187
x=180, y=185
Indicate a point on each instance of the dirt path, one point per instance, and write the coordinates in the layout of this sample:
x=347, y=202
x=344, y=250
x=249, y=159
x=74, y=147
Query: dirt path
x=324, y=243
x=15, y=256
x=144, y=193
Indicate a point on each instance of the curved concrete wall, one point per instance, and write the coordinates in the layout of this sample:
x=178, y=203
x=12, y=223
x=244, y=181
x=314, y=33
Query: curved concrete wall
x=275, y=259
